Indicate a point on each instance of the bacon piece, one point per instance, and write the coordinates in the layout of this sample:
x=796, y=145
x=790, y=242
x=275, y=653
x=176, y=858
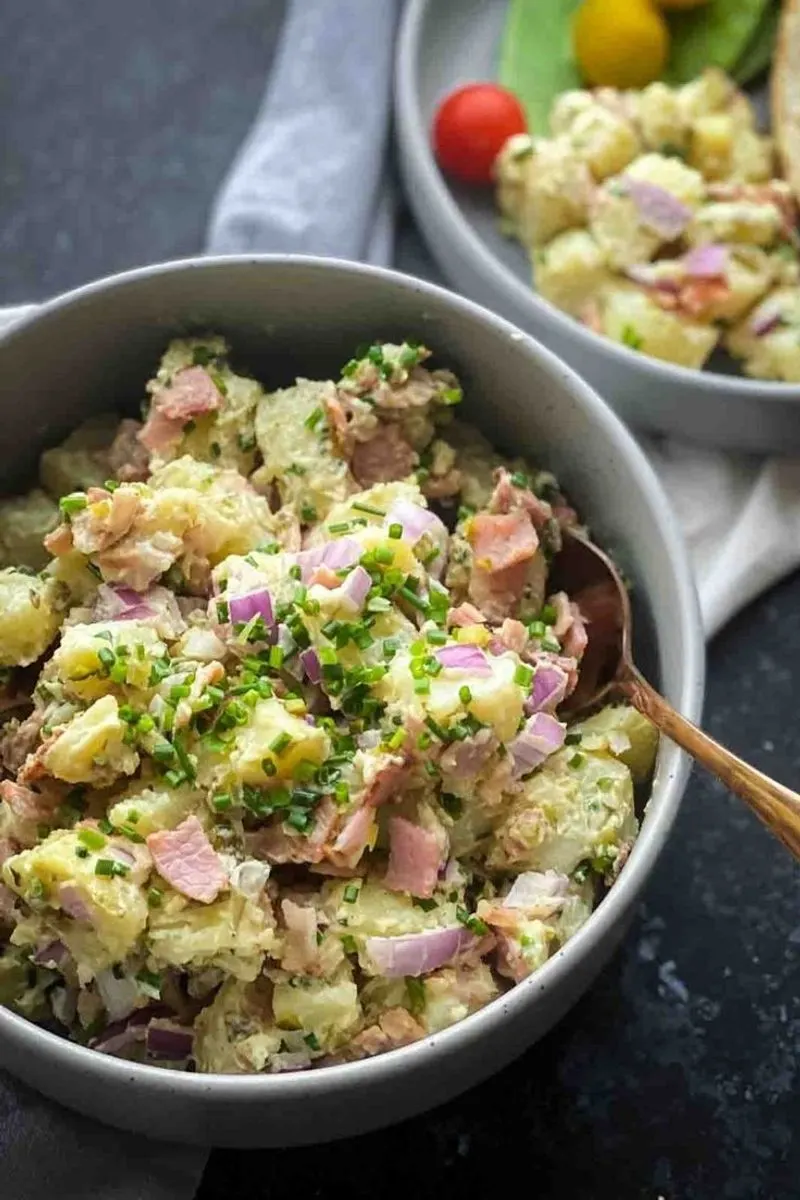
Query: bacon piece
x=128, y=458
x=385, y=457
x=186, y=859
x=18, y=740
x=58, y=541
x=387, y=780
x=498, y=593
x=191, y=393
x=139, y=561
x=513, y=635
x=415, y=855
x=106, y=519
x=300, y=955
x=465, y=614
x=396, y=1027
x=354, y=838
x=502, y=540
x=27, y=811
x=325, y=577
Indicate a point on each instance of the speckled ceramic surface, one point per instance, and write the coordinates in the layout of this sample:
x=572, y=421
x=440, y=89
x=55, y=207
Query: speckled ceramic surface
x=284, y=316
x=442, y=45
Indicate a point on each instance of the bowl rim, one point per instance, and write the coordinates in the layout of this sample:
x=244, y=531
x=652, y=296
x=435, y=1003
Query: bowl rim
x=687, y=633
x=436, y=195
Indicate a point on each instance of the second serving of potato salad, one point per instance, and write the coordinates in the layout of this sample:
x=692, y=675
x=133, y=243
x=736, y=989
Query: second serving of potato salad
x=654, y=217
x=285, y=782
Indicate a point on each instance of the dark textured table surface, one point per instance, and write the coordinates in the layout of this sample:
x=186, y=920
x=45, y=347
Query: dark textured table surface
x=676, y=1075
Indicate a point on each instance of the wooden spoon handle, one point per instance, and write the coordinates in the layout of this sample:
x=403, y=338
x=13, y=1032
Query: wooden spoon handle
x=776, y=805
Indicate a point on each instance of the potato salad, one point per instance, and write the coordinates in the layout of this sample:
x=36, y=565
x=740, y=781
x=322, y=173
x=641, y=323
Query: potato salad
x=285, y=781
x=654, y=218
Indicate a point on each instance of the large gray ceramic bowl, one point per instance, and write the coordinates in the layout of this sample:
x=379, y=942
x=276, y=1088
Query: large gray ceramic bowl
x=443, y=45
x=93, y=349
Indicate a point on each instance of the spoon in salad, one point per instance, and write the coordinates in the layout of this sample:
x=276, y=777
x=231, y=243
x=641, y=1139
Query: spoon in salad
x=608, y=669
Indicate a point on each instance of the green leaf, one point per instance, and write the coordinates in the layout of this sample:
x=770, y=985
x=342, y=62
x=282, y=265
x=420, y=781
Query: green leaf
x=536, y=60
x=717, y=34
x=760, y=48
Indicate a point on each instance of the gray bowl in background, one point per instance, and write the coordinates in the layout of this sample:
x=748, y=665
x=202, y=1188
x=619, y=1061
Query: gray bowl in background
x=444, y=45
x=92, y=350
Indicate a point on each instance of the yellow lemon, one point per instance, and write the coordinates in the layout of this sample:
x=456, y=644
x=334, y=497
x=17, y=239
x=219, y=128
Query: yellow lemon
x=620, y=43
x=681, y=3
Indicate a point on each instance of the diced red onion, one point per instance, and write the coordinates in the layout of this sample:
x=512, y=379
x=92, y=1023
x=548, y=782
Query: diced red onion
x=341, y=553
x=119, y=1036
x=369, y=739
x=418, y=953
x=252, y=604
x=417, y=521
x=549, y=688
x=308, y=561
x=647, y=275
x=123, y=854
x=465, y=759
x=73, y=903
x=706, y=262
x=119, y=996
x=541, y=737
x=250, y=877
x=529, y=888
x=51, y=955
x=285, y=640
x=765, y=318
x=117, y=603
x=463, y=656
x=356, y=586
x=337, y=554
x=658, y=209
x=168, y=1041
x=311, y=665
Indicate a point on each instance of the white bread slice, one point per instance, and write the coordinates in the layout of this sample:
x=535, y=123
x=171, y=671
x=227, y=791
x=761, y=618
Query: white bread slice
x=785, y=93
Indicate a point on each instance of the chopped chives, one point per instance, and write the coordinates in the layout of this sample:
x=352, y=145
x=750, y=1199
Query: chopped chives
x=422, y=686
x=91, y=838
x=268, y=767
x=154, y=897
x=107, y=657
x=110, y=867
x=576, y=761
x=280, y=743
x=412, y=599
x=523, y=676
x=339, y=527
x=313, y=419
x=605, y=784
x=548, y=615
x=74, y=503
x=436, y=637
x=350, y=893
x=312, y=1041
x=222, y=801
x=464, y=694
x=360, y=506
x=573, y=739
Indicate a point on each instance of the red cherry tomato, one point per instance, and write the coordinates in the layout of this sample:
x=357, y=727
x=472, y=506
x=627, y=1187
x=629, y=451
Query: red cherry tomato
x=470, y=127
